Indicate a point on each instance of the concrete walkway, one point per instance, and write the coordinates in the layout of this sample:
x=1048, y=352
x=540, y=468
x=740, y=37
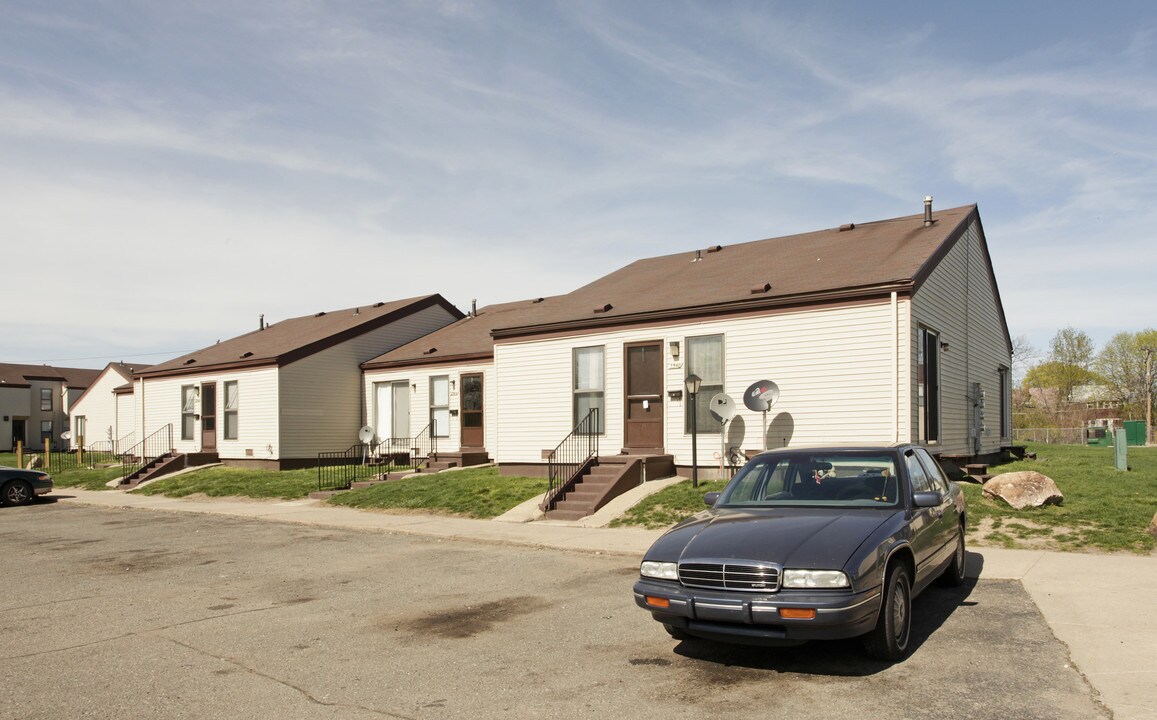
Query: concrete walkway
x=1101, y=606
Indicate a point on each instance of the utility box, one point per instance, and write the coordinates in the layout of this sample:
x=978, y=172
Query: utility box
x=1120, y=450
x=1135, y=432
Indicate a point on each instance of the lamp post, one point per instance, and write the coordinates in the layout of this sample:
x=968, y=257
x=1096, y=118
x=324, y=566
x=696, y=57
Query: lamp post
x=692, y=384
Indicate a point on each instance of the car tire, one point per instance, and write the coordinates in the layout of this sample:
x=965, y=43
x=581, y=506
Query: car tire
x=889, y=639
x=954, y=574
x=677, y=633
x=16, y=492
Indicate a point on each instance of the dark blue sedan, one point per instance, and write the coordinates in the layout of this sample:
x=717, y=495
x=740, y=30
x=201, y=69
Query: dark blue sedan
x=811, y=544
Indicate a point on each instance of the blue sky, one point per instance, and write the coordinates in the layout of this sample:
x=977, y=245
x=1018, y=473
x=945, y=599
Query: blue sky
x=170, y=171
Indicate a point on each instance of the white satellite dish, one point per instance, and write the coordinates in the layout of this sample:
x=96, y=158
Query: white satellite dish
x=722, y=407
x=366, y=435
x=66, y=435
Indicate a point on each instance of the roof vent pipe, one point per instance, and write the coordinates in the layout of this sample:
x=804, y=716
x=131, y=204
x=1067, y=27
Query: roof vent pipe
x=261, y=322
x=474, y=307
x=927, y=211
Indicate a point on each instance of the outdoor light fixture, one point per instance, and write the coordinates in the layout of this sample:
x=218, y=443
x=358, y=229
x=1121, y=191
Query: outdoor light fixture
x=943, y=346
x=692, y=384
x=675, y=349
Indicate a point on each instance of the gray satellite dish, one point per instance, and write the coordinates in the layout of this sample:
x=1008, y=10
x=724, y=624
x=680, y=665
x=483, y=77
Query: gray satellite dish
x=761, y=395
x=722, y=407
x=366, y=435
x=66, y=435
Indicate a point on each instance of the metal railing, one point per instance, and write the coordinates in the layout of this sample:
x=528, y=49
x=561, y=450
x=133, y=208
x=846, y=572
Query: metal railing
x=54, y=461
x=572, y=456
x=338, y=470
x=157, y=445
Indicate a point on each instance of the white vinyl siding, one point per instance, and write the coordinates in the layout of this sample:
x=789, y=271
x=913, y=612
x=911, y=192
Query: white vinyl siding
x=99, y=407
x=417, y=382
x=834, y=366
x=959, y=301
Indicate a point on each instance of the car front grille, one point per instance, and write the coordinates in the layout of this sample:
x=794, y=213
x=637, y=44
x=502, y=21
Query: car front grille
x=730, y=576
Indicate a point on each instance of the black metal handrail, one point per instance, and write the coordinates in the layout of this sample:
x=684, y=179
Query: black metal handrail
x=573, y=455
x=157, y=445
x=338, y=470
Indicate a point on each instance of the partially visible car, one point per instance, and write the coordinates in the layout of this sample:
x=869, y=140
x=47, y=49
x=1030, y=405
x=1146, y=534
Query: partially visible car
x=811, y=544
x=19, y=487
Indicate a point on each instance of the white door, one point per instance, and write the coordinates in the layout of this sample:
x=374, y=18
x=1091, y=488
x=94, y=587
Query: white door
x=392, y=410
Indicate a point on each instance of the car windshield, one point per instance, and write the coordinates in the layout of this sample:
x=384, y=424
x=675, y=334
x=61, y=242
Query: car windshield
x=835, y=479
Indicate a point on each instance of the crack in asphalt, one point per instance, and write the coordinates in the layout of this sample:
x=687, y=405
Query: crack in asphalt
x=300, y=690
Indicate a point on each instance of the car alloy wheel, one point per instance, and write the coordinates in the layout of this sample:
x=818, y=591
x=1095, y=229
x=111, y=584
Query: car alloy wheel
x=17, y=492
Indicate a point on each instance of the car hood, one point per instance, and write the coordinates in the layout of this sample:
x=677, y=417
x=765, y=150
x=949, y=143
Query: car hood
x=792, y=537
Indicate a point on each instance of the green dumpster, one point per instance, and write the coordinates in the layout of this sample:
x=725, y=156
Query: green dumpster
x=1135, y=432
x=1098, y=437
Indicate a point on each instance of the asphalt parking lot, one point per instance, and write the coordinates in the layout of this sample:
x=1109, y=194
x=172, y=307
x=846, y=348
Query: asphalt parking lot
x=117, y=613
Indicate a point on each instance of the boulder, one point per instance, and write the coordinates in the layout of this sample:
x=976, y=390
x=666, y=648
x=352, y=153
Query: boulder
x=1153, y=526
x=1023, y=489
x=34, y=462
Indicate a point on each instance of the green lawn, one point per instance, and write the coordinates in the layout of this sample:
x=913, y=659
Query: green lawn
x=221, y=481
x=668, y=506
x=84, y=478
x=1104, y=508
x=476, y=493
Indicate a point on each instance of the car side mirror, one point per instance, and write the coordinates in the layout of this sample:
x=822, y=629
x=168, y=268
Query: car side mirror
x=710, y=499
x=927, y=499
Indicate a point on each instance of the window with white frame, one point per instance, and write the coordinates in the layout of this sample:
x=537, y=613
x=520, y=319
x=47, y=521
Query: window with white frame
x=440, y=405
x=232, y=409
x=589, y=385
x=928, y=385
x=705, y=359
x=188, y=406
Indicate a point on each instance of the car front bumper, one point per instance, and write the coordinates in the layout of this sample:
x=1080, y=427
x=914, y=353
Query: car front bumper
x=755, y=617
x=41, y=487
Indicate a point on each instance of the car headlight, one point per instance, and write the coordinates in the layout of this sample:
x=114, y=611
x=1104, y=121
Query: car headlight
x=814, y=579
x=660, y=570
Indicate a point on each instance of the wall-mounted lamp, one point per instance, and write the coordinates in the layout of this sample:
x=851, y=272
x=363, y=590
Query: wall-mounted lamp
x=453, y=385
x=675, y=349
x=943, y=346
x=413, y=387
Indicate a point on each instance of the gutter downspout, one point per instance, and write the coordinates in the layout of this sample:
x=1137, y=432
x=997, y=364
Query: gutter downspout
x=895, y=368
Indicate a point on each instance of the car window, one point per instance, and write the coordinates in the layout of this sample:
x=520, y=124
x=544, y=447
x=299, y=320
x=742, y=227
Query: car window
x=916, y=474
x=935, y=472
x=814, y=479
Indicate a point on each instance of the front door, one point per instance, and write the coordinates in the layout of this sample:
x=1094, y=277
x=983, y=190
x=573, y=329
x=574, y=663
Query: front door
x=643, y=413
x=473, y=432
x=18, y=436
x=208, y=417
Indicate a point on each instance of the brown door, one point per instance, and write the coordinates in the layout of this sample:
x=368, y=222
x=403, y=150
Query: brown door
x=208, y=417
x=644, y=404
x=473, y=430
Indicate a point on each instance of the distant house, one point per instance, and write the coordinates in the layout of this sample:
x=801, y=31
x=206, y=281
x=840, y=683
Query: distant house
x=94, y=417
x=35, y=402
x=880, y=332
x=279, y=395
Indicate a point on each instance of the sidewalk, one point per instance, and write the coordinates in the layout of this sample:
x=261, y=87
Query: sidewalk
x=1100, y=606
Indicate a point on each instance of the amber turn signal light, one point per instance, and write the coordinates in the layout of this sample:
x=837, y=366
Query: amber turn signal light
x=657, y=601
x=798, y=613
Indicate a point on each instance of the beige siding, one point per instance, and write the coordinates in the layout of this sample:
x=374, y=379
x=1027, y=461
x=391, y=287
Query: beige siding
x=321, y=404
x=417, y=379
x=834, y=366
x=98, y=406
x=959, y=301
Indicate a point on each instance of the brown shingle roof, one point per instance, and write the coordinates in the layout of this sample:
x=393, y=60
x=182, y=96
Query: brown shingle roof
x=283, y=342
x=16, y=375
x=467, y=339
x=860, y=260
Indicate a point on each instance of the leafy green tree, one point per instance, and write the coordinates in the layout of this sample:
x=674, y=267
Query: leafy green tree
x=1128, y=367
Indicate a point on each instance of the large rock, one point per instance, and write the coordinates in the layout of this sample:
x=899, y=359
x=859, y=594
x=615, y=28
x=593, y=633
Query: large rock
x=1024, y=489
x=1153, y=526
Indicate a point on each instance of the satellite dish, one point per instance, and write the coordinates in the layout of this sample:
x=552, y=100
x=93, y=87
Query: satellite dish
x=66, y=435
x=722, y=407
x=761, y=395
x=366, y=434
